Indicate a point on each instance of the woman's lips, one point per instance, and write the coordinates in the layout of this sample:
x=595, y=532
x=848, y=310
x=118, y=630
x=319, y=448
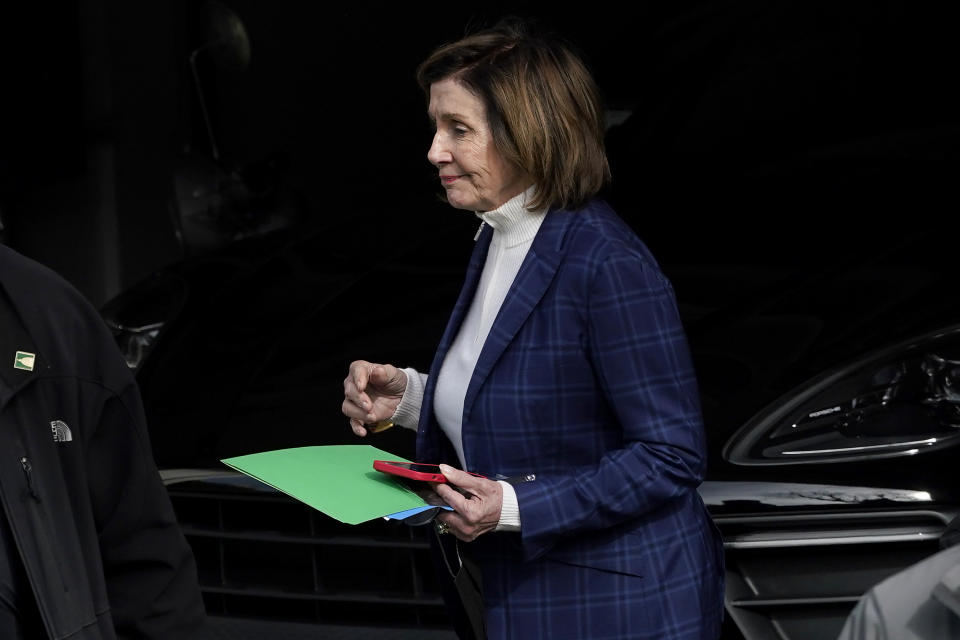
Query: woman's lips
x=449, y=179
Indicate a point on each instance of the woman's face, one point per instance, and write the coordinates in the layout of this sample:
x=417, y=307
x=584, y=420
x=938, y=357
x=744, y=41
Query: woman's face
x=474, y=174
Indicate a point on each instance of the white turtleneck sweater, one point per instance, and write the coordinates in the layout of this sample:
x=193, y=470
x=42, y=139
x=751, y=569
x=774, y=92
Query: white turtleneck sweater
x=513, y=231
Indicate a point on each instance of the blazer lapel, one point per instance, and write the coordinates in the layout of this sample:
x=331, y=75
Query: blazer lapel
x=535, y=275
x=472, y=279
x=427, y=443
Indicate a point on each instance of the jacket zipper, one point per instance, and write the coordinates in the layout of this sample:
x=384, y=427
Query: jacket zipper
x=43, y=604
x=28, y=471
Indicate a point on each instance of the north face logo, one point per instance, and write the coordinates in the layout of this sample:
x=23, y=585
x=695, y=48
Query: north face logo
x=61, y=432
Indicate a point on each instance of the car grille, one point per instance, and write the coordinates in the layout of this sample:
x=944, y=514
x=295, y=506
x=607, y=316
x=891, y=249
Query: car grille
x=263, y=555
x=793, y=577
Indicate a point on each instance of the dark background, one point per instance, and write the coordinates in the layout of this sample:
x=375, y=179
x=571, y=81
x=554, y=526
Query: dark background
x=756, y=129
x=762, y=115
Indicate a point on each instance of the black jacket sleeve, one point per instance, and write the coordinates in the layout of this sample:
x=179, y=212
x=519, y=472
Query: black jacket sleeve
x=149, y=568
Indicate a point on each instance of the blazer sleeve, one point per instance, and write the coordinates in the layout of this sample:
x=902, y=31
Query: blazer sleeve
x=638, y=350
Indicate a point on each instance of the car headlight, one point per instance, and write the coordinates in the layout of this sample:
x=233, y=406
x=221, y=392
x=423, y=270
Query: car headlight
x=137, y=316
x=134, y=342
x=901, y=400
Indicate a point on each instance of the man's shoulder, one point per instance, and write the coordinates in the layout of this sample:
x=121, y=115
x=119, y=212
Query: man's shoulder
x=68, y=331
x=26, y=279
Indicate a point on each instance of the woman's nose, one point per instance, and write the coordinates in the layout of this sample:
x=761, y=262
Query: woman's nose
x=438, y=154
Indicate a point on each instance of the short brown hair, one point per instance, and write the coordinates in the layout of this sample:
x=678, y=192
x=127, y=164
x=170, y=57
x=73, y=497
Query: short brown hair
x=542, y=105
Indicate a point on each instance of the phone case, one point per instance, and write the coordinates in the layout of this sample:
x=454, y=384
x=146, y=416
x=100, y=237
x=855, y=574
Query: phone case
x=388, y=466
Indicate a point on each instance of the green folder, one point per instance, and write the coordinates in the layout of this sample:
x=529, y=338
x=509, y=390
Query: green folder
x=338, y=480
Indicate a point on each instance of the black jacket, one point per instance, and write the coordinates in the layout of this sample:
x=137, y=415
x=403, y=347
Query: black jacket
x=89, y=513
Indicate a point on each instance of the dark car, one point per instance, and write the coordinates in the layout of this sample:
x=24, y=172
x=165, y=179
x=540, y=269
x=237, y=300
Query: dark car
x=830, y=389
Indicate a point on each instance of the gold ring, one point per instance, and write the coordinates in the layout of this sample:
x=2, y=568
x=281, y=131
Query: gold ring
x=442, y=527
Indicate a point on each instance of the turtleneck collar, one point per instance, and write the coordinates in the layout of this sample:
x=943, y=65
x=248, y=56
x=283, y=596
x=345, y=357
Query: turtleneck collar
x=512, y=221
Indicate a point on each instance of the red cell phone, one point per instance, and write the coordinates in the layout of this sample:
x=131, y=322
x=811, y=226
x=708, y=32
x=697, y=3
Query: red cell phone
x=413, y=470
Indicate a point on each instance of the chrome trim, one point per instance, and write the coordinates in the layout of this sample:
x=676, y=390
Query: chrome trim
x=869, y=447
x=852, y=457
x=815, y=530
x=766, y=603
x=786, y=543
x=178, y=475
x=113, y=324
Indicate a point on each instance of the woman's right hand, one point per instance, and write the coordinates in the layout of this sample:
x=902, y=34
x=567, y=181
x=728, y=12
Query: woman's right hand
x=371, y=393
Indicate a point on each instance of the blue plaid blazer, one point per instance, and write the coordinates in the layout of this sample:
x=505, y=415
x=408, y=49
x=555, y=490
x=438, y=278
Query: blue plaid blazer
x=585, y=382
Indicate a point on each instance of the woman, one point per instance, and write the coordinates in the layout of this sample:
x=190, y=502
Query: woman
x=563, y=376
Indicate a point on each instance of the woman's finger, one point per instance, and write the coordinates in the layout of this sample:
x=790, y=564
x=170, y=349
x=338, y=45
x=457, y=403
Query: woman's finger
x=452, y=497
x=360, y=374
x=464, y=480
x=358, y=427
x=351, y=410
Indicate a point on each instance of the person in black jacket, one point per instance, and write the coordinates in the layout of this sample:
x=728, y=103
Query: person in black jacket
x=91, y=547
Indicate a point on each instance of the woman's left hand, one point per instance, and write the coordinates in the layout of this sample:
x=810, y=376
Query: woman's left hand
x=472, y=515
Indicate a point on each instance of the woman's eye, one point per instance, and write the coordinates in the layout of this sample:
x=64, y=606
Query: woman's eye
x=459, y=131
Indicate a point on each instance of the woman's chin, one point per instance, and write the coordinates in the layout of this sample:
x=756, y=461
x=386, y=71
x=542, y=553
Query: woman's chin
x=466, y=204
